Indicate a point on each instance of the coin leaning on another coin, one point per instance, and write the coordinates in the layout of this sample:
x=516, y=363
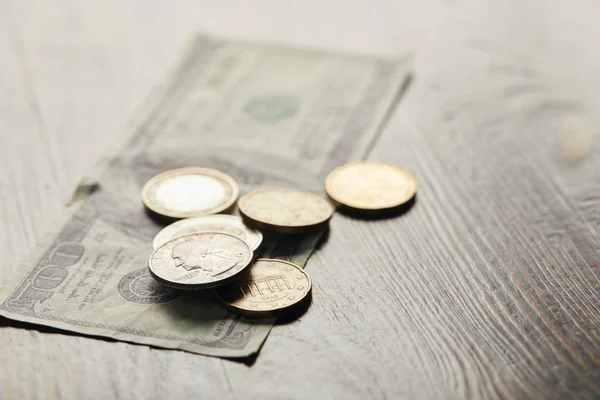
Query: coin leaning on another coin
x=200, y=260
x=370, y=186
x=268, y=289
x=230, y=224
x=285, y=210
x=189, y=192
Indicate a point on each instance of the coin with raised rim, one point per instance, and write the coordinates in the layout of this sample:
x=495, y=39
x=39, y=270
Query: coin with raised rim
x=269, y=289
x=285, y=210
x=370, y=186
x=200, y=260
x=231, y=224
x=190, y=192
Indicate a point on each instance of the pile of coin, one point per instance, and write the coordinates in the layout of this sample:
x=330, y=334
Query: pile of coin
x=204, y=249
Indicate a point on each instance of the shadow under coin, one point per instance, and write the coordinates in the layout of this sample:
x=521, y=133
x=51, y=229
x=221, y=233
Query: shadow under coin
x=291, y=315
x=369, y=215
x=286, y=247
x=192, y=307
x=158, y=218
x=295, y=312
x=324, y=239
x=165, y=220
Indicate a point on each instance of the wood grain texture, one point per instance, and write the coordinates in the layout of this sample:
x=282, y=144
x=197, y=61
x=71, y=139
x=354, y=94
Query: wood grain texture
x=487, y=288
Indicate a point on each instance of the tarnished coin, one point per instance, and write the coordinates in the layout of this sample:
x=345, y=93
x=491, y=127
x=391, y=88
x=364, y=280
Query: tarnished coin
x=268, y=289
x=370, y=186
x=200, y=261
x=231, y=224
x=190, y=192
x=285, y=210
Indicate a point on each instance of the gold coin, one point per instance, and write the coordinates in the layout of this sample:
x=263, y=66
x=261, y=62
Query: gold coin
x=285, y=210
x=370, y=186
x=200, y=260
x=268, y=289
x=190, y=192
x=231, y=224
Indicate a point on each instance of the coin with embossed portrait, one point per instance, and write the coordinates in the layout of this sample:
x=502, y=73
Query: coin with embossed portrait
x=370, y=186
x=190, y=192
x=285, y=210
x=270, y=288
x=231, y=224
x=200, y=260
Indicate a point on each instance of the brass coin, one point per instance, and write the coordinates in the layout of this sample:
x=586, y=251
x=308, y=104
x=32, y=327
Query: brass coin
x=269, y=288
x=200, y=260
x=190, y=192
x=285, y=210
x=230, y=224
x=370, y=186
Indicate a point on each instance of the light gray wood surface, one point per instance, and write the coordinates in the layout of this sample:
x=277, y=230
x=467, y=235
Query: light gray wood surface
x=487, y=288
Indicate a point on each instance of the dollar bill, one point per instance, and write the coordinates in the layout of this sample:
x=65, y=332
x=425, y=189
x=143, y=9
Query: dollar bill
x=266, y=115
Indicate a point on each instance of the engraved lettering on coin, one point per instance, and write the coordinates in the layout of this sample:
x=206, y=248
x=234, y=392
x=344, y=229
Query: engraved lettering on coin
x=200, y=260
x=190, y=192
x=139, y=287
x=274, y=108
x=213, y=261
x=231, y=224
x=268, y=289
x=285, y=210
x=370, y=186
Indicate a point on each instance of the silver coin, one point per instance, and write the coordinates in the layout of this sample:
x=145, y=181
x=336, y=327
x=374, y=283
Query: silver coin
x=200, y=260
x=230, y=224
x=189, y=192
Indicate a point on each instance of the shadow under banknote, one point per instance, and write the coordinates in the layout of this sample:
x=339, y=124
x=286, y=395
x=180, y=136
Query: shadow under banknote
x=9, y=323
x=292, y=315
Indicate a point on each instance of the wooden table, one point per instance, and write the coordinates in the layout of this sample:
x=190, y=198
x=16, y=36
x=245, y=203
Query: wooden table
x=487, y=288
